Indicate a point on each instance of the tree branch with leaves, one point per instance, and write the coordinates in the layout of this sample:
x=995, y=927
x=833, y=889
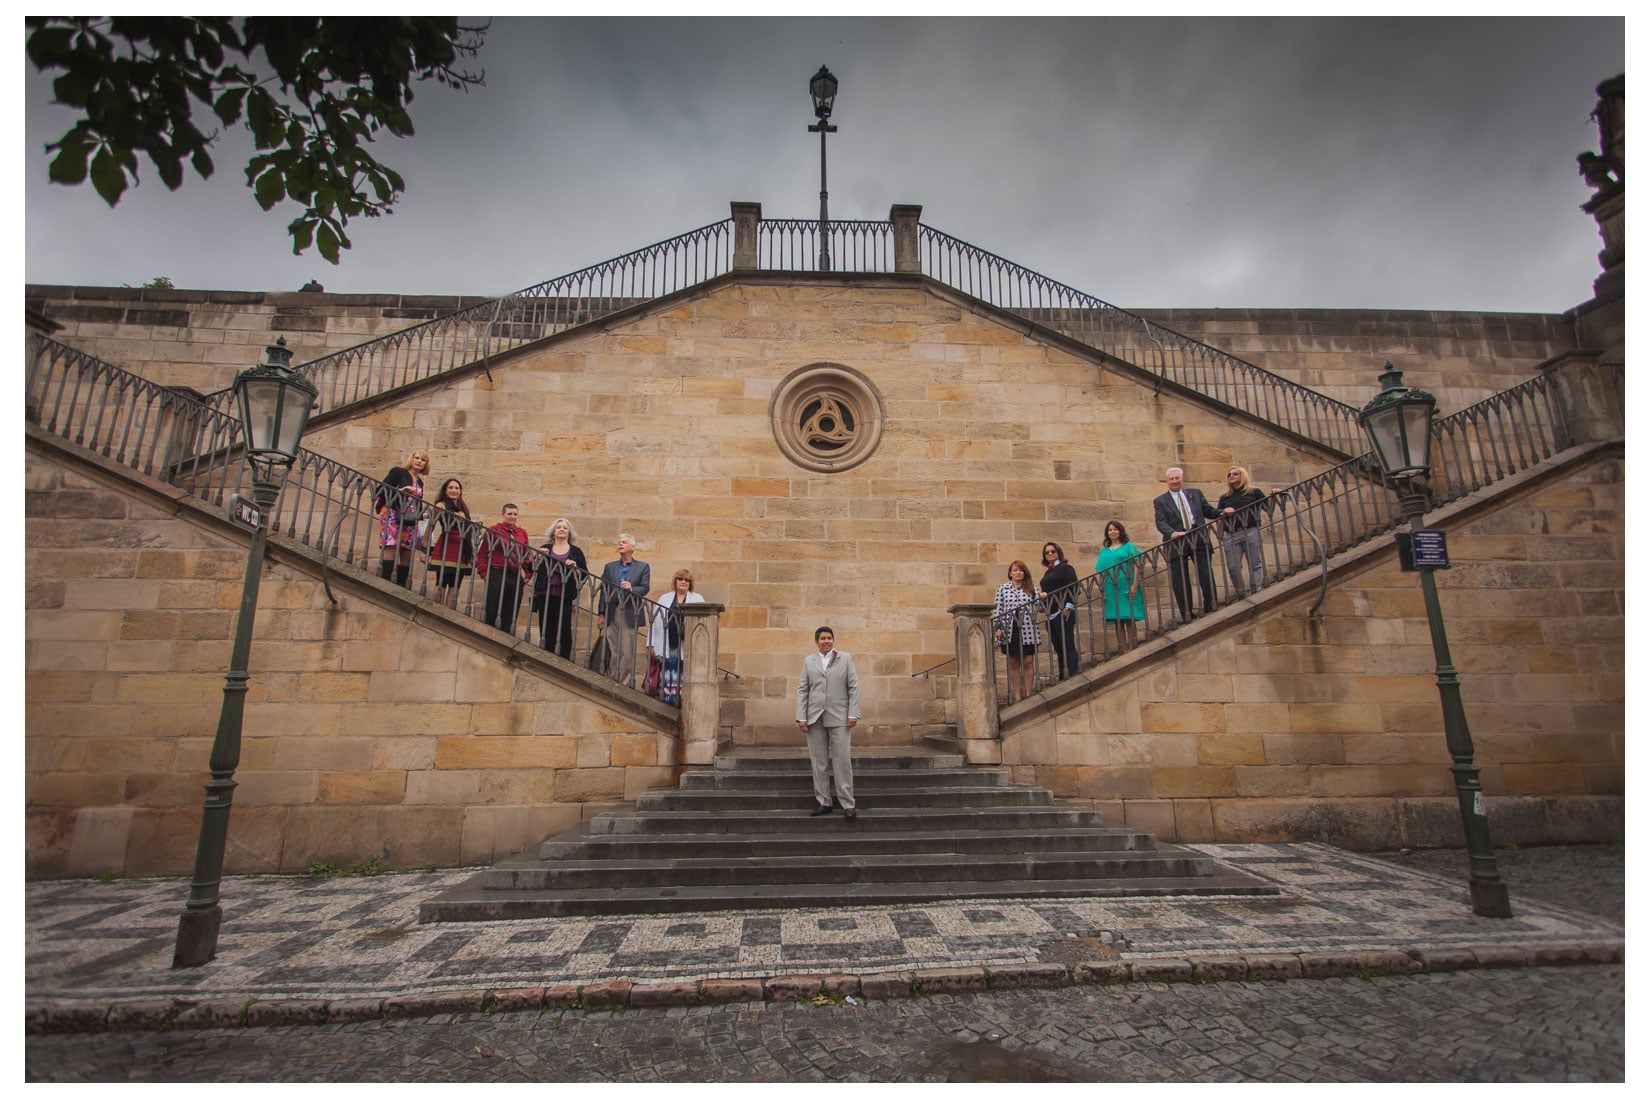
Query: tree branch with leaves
x=314, y=93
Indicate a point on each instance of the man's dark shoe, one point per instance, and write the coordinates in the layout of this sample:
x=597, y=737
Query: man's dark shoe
x=819, y=810
x=850, y=813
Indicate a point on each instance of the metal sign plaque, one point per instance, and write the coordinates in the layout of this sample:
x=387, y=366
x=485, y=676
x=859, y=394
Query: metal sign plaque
x=1430, y=550
x=244, y=512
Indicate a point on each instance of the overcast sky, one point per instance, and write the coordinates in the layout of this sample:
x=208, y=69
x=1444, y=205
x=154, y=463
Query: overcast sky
x=1386, y=163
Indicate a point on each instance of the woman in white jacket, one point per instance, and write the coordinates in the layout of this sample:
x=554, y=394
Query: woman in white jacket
x=664, y=635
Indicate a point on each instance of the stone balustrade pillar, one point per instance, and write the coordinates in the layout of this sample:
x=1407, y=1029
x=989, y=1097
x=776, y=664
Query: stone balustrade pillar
x=701, y=683
x=746, y=217
x=907, y=258
x=976, y=684
x=1590, y=397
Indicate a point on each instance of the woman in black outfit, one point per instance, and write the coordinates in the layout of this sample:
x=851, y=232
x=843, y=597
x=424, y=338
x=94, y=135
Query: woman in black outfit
x=1059, y=592
x=556, y=583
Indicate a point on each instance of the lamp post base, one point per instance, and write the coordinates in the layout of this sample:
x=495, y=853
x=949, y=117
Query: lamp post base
x=1489, y=899
x=197, y=937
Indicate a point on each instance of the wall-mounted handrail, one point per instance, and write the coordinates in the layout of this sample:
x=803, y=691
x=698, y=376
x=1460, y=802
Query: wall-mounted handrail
x=1348, y=504
x=182, y=441
x=1170, y=355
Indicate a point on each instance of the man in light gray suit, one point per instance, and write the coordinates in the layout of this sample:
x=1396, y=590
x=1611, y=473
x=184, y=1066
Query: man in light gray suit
x=827, y=707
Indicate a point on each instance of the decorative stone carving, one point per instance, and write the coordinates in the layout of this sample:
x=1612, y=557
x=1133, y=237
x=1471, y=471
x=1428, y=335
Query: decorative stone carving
x=826, y=417
x=746, y=217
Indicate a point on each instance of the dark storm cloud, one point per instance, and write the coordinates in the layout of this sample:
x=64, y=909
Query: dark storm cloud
x=1152, y=162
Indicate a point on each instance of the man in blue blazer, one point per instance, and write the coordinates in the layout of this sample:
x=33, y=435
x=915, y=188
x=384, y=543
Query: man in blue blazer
x=623, y=609
x=1180, y=514
x=827, y=708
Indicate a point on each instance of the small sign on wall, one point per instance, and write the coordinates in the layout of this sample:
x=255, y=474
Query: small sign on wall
x=1422, y=550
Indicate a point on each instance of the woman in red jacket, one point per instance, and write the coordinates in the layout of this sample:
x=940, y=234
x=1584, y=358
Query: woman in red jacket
x=451, y=555
x=505, y=560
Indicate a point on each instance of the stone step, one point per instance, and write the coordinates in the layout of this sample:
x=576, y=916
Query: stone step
x=928, y=818
x=813, y=871
x=891, y=798
x=792, y=759
x=469, y=902
x=865, y=779
x=739, y=835
x=578, y=844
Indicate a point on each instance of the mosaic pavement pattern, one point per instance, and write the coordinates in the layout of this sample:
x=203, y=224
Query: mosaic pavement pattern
x=286, y=936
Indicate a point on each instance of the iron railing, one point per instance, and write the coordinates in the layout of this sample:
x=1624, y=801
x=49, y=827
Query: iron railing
x=339, y=511
x=792, y=244
x=1303, y=527
x=1131, y=338
x=478, y=332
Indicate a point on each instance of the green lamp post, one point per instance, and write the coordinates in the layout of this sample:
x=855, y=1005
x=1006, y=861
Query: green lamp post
x=1399, y=423
x=275, y=403
x=822, y=86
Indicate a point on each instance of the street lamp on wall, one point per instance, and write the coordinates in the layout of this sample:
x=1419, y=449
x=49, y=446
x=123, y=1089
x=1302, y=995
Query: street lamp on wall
x=823, y=88
x=275, y=403
x=1399, y=423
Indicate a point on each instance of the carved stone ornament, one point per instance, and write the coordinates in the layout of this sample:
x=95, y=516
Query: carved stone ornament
x=826, y=417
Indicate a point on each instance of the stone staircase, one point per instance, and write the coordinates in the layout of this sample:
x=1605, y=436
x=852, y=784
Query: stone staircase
x=738, y=836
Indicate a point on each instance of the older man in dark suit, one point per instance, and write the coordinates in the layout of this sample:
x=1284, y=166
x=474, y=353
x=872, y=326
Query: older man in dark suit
x=1180, y=514
x=623, y=609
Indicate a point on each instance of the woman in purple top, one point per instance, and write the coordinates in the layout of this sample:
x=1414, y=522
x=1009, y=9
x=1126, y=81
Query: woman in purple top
x=556, y=587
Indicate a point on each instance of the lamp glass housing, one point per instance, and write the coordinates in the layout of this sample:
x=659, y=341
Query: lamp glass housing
x=1399, y=423
x=823, y=88
x=275, y=403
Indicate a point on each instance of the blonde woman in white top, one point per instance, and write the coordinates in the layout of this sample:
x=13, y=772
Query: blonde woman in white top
x=665, y=633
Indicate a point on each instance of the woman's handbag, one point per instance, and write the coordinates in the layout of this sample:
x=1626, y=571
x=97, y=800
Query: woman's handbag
x=601, y=656
x=655, y=669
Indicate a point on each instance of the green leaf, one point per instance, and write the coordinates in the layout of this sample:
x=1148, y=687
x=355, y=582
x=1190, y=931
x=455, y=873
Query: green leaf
x=202, y=162
x=303, y=234
x=49, y=44
x=69, y=166
x=169, y=167
x=107, y=176
x=326, y=239
x=228, y=106
x=269, y=188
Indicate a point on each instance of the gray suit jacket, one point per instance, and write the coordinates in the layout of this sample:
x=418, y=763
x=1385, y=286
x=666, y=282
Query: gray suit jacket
x=831, y=693
x=616, y=602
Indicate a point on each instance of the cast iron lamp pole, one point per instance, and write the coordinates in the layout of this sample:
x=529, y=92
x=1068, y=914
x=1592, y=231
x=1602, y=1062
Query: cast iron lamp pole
x=275, y=402
x=823, y=88
x=1399, y=423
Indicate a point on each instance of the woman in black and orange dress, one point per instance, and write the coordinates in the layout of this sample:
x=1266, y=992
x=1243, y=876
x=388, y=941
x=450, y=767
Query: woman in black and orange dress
x=397, y=501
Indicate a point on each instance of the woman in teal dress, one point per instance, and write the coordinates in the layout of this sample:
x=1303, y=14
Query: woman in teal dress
x=1125, y=606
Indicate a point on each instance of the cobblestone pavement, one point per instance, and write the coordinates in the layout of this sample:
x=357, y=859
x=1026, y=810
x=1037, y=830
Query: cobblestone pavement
x=383, y=997
x=1538, y=1024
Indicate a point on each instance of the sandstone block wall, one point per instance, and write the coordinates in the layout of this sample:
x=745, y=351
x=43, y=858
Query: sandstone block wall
x=1290, y=728
x=1460, y=358
x=992, y=443
x=365, y=735
x=202, y=339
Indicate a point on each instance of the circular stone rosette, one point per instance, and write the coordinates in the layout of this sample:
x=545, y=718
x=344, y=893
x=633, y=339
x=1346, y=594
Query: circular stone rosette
x=827, y=417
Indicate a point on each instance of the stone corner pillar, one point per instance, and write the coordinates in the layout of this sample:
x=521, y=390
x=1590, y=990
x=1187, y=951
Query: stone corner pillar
x=701, y=683
x=976, y=684
x=1590, y=394
x=746, y=217
x=906, y=257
